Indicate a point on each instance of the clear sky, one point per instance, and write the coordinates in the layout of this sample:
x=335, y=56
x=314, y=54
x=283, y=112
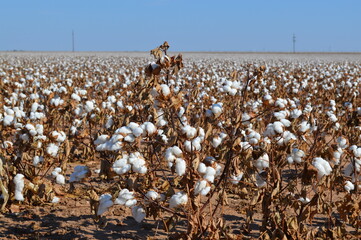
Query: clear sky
x=188, y=25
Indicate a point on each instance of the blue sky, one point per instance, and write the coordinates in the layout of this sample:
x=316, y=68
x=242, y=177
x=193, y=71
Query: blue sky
x=188, y=25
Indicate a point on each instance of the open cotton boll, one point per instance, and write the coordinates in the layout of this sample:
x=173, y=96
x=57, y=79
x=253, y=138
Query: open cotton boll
x=201, y=187
x=217, y=109
x=52, y=149
x=76, y=97
x=323, y=167
x=295, y=113
x=152, y=195
x=139, y=166
x=262, y=162
x=178, y=199
x=138, y=213
x=56, y=171
x=165, y=90
x=89, y=106
x=121, y=166
x=59, y=136
x=349, y=186
x=130, y=138
x=278, y=127
x=295, y=156
x=356, y=151
x=137, y=131
x=126, y=198
x=210, y=174
x=37, y=160
x=149, y=128
x=189, y=131
x=19, y=186
x=101, y=139
x=337, y=155
x=180, y=166
x=304, y=126
x=342, y=142
x=236, y=179
x=105, y=202
x=8, y=120
x=79, y=173
x=176, y=151
x=216, y=141
x=55, y=199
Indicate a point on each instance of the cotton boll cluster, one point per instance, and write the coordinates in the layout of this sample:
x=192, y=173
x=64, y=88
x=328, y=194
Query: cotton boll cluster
x=262, y=162
x=79, y=173
x=323, y=167
x=59, y=178
x=215, y=111
x=252, y=136
x=58, y=136
x=202, y=187
x=56, y=101
x=295, y=156
x=173, y=155
x=52, y=149
x=126, y=198
x=134, y=161
x=104, y=143
x=196, y=138
x=105, y=202
x=209, y=169
x=231, y=87
x=178, y=200
x=19, y=186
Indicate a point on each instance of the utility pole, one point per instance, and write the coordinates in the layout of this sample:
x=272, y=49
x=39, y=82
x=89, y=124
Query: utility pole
x=294, y=43
x=73, y=39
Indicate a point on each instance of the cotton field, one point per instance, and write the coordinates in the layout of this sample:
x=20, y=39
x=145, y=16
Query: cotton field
x=192, y=146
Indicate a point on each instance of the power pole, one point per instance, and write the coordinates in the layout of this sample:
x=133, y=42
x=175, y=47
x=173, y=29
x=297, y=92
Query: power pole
x=294, y=43
x=73, y=39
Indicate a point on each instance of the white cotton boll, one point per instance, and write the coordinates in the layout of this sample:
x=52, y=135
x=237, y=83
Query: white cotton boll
x=56, y=171
x=124, y=131
x=25, y=137
x=210, y=174
x=178, y=199
x=152, y=195
x=216, y=141
x=278, y=127
x=126, y=198
x=304, y=200
x=236, y=179
x=137, y=131
x=30, y=127
x=196, y=144
x=356, y=151
x=138, y=213
x=55, y=199
x=262, y=162
x=149, y=128
x=101, y=139
x=79, y=173
x=165, y=90
x=296, y=155
x=121, y=166
x=60, y=179
x=8, y=120
x=176, y=151
x=130, y=138
x=39, y=129
x=34, y=107
x=180, y=166
x=342, y=142
x=323, y=167
x=59, y=136
x=89, y=106
x=52, y=149
x=201, y=188
x=105, y=202
x=189, y=131
x=304, y=126
x=217, y=109
x=19, y=186
x=139, y=166
x=181, y=112
x=76, y=97
x=285, y=122
x=349, y=186
x=109, y=123
x=9, y=111
x=295, y=113
x=37, y=160
x=202, y=168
